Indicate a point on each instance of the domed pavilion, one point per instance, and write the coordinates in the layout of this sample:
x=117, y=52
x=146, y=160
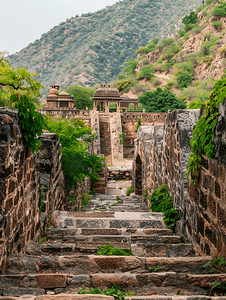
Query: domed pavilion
x=63, y=101
x=104, y=96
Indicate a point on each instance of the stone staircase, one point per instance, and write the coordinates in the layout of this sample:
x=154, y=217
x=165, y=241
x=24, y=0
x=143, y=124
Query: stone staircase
x=162, y=266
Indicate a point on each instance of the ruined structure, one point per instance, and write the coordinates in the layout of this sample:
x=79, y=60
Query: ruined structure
x=161, y=157
x=108, y=126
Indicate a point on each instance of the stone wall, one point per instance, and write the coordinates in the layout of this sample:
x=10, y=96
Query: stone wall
x=20, y=174
x=129, y=124
x=163, y=152
x=205, y=214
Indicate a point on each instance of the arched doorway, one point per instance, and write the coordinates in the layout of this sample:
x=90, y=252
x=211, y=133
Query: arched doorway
x=138, y=176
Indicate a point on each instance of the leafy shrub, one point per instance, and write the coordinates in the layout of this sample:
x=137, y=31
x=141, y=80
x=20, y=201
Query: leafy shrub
x=184, y=79
x=168, y=53
x=161, y=201
x=77, y=163
x=219, y=10
x=196, y=29
x=122, y=138
x=146, y=71
x=216, y=265
x=185, y=66
x=181, y=32
x=195, y=104
x=192, y=18
x=85, y=199
x=166, y=43
x=130, y=190
x=207, y=48
x=155, y=41
x=114, y=291
x=160, y=101
x=123, y=85
x=108, y=249
x=217, y=24
x=203, y=134
x=131, y=66
x=138, y=124
x=186, y=36
x=207, y=59
x=207, y=36
x=121, y=76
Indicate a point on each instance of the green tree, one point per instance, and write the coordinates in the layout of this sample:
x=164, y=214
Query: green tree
x=146, y=71
x=161, y=101
x=192, y=18
x=82, y=96
x=184, y=79
x=75, y=137
x=130, y=69
x=16, y=81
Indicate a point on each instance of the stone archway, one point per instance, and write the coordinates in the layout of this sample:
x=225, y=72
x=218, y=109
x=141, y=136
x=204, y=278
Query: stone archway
x=138, y=176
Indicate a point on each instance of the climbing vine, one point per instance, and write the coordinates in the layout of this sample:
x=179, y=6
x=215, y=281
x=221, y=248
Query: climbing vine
x=122, y=138
x=31, y=121
x=203, y=134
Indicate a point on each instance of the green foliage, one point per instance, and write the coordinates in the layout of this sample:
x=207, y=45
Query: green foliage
x=17, y=81
x=155, y=41
x=181, y=32
x=130, y=190
x=130, y=69
x=218, y=288
x=43, y=198
x=82, y=96
x=77, y=163
x=145, y=195
x=168, y=53
x=157, y=269
x=186, y=36
x=207, y=36
x=43, y=240
x=203, y=134
x=123, y=85
x=138, y=124
x=161, y=201
x=190, y=20
x=184, y=79
x=114, y=291
x=195, y=104
x=161, y=101
x=216, y=265
x=146, y=71
x=219, y=10
x=108, y=249
x=30, y=120
x=85, y=199
x=217, y=24
x=122, y=138
x=207, y=47
x=166, y=43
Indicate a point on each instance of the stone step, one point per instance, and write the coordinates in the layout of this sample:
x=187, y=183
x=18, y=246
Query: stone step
x=68, y=248
x=138, y=248
x=162, y=250
x=102, y=239
x=107, y=231
x=111, y=223
x=32, y=294
x=160, y=283
x=88, y=264
x=175, y=297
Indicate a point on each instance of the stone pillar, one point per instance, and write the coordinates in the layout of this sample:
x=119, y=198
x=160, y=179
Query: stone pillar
x=94, y=105
x=143, y=110
x=118, y=107
x=107, y=107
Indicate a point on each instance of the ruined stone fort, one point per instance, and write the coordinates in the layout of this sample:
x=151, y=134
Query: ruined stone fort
x=163, y=264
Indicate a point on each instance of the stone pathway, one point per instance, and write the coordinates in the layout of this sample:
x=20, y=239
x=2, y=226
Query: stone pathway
x=161, y=265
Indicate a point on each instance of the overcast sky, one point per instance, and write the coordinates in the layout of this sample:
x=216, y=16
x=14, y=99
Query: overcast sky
x=23, y=21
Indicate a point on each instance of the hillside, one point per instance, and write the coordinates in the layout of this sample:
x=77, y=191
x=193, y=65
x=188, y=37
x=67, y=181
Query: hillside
x=187, y=64
x=92, y=48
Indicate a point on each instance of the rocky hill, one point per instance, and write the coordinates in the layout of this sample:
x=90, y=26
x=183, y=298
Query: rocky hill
x=187, y=64
x=93, y=47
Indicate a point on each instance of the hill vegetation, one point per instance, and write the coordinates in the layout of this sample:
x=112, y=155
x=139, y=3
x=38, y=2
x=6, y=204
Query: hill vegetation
x=93, y=47
x=187, y=65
